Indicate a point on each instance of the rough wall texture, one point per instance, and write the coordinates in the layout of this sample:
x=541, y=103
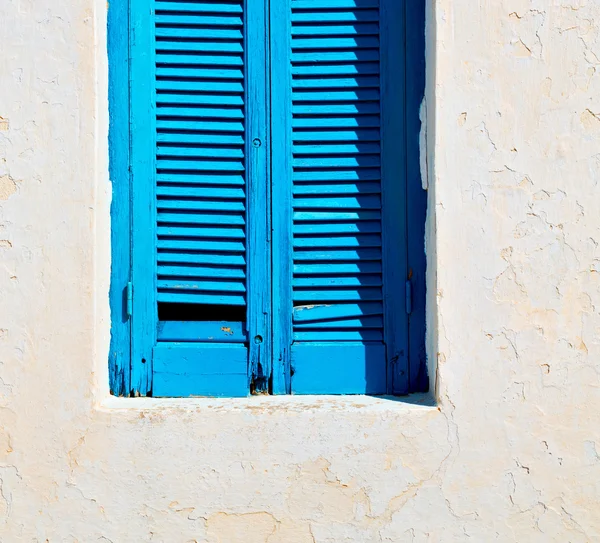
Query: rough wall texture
x=513, y=451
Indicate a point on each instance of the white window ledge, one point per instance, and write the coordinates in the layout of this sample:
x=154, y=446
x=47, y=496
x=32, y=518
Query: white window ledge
x=413, y=402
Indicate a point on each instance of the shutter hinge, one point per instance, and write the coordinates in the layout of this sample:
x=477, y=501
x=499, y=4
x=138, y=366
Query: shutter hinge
x=408, y=297
x=129, y=299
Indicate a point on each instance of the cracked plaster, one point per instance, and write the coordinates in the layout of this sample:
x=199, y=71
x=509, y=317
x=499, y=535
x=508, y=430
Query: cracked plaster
x=510, y=452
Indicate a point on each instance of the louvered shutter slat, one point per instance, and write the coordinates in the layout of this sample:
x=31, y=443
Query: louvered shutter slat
x=347, y=268
x=204, y=100
x=206, y=231
x=197, y=59
x=332, y=30
x=334, y=241
x=231, y=287
x=183, y=110
x=341, y=281
x=333, y=44
x=326, y=256
x=166, y=45
x=367, y=108
x=192, y=85
x=334, y=4
x=336, y=56
x=365, y=15
x=200, y=7
x=225, y=260
x=361, y=135
x=167, y=17
x=199, y=205
x=337, y=216
x=199, y=33
x=190, y=218
x=364, y=322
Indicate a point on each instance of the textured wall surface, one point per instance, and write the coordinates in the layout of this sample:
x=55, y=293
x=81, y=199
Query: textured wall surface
x=511, y=452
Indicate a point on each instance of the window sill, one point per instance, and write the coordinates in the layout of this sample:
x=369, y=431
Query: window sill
x=269, y=404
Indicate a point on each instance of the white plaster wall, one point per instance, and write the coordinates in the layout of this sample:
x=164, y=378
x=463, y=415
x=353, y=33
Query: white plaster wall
x=513, y=451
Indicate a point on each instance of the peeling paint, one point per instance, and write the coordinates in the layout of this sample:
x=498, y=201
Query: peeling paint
x=8, y=187
x=423, y=153
x=241, y=528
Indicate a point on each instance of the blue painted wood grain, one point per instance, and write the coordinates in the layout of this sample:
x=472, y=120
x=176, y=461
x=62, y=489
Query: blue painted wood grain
x=143, y=157
x=118, y=101
x=281, y=175
x=394, y=193
x=417, y=197
x=202, y=331
x=200, y=370
x=339, y=368
x=258, y=146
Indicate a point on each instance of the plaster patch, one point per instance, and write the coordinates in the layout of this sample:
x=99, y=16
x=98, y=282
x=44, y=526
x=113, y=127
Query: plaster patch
x=5, y=446
x=521, y=50
x=292, y=532
x=8, y=186
x=8, y=478
x=5, y=244
x=591, y=452
x=241, y=528
x=590, y=120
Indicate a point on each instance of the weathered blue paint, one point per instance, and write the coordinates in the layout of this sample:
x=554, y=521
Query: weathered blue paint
x=202, y=331
x=258, y=200
x=274, y=179
x=143, y=159
x=347, y=368
x=393, y=94
x=416, y=196
x=281, y=174
x=118, y=101
x=195, y=369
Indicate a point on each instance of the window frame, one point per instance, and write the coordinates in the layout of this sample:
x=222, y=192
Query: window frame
x=123, y=378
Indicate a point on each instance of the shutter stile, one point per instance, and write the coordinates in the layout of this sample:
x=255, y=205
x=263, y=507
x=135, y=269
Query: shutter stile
x=200, y=154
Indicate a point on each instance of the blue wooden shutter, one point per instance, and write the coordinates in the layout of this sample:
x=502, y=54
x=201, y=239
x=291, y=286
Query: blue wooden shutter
x=214, y=161
x=348, y=240
x=199, y=207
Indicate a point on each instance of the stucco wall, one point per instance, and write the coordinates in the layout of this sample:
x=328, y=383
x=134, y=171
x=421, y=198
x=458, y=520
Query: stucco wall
x=512, y=453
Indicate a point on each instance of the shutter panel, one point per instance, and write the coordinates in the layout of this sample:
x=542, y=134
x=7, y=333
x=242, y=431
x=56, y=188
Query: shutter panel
x=200, y=186
x=200, y=199
x=339, y=261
